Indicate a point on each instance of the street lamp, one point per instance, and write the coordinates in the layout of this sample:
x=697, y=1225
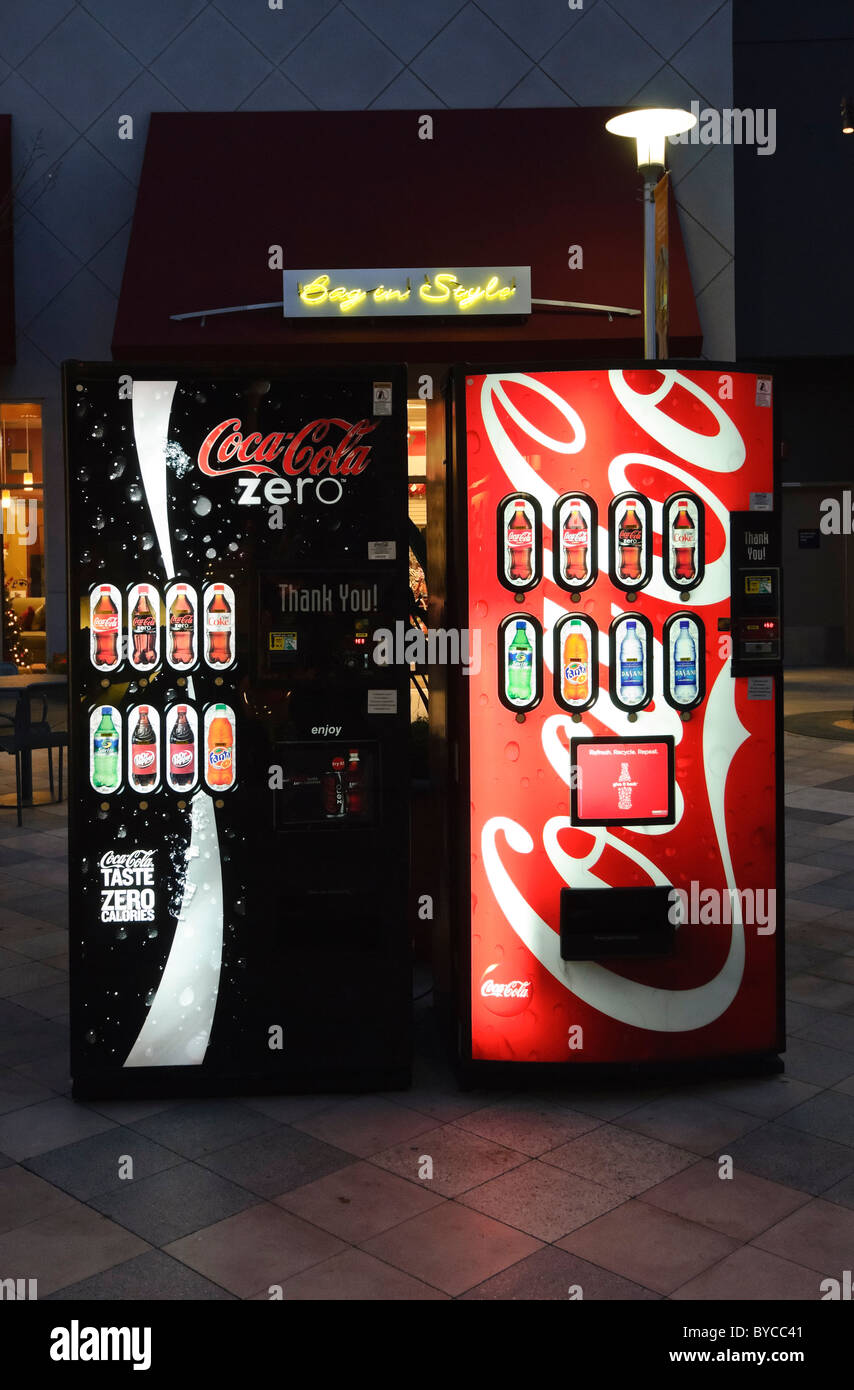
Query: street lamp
x=650, y=129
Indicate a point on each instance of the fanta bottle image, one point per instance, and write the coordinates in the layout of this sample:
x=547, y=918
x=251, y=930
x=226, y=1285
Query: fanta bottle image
x=220, y=750
x=576, y=664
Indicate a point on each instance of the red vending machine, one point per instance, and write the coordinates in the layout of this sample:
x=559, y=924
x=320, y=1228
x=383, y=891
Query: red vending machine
x=619, y=802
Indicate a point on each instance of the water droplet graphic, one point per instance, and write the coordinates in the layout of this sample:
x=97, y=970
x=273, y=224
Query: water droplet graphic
x=146, y=541
x=210, y=553
x=180, y=534
x=117, y=469
x=186, y=997
x=201, y=506
x=98, y=522
x=511, y=752
x=134, y=492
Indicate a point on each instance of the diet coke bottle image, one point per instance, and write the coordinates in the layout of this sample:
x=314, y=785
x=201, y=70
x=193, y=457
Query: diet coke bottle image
x=144, y=607
x=333, y=790
x=104, y=624
x=181, y=626
x=181, y=742
x=143, y=772
x=684, y=542
x=630, y=540
x=576, y=541
x=218, y=603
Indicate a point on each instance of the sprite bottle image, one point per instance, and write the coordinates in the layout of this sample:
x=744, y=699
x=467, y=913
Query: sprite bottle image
x=520, y=666
x=105, y=759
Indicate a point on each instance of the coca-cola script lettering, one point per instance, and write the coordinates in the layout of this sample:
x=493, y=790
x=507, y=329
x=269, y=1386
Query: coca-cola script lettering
x=304, y=451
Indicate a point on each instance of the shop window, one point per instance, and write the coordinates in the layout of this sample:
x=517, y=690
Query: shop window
x=22, y=508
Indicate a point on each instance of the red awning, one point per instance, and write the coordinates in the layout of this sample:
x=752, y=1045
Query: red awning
x=504, y=188
x=7, y=282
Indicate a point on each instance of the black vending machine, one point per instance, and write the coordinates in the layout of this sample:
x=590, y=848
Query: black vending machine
x=238, y=819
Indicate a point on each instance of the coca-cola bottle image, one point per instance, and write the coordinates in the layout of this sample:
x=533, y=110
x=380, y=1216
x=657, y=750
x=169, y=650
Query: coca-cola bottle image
x=143, y=752
x=105, y=625
x=332, y=790
x=520, y=541
x=182, y=620
x=354, y=784
x=218, y=622
x=630, y=540
x=575, y=543
x=684, y=542
x=143, y=626
x=182, y=751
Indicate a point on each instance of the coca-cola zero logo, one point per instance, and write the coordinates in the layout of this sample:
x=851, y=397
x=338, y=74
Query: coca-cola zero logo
x=301, y=451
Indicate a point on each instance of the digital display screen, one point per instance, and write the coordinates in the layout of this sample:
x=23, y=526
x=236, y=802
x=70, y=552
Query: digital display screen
x=622, y=781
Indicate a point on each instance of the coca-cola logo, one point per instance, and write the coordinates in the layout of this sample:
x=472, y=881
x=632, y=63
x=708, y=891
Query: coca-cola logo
x=518, y=539
x=110, y=623
x=574, y=538
x=504, y=997
x=182, y=624
x=143, y=623
x=301, y=451
x=181, y=757
x=218, y=622
x=630, y=535
x=146, y=757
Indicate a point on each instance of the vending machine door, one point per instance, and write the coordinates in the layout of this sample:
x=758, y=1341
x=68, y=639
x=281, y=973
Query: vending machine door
x=239, y=787
x=617, y=891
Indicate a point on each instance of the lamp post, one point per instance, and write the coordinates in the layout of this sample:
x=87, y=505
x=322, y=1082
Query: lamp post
x=650, y=130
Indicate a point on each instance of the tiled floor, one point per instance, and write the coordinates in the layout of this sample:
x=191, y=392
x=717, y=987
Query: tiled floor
x=619, y=1192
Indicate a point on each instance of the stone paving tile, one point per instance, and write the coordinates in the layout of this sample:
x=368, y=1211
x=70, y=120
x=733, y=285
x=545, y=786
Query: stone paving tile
x=829, y=1115
x=650, y=1247
x=30, y=974
x=766, y=1096
x=451, y=1247
x=542, y=1200
x=203, y=1126
x=626, y=1162
x=51, y=1001
x=556, y=1275
x=67, y=1246
x=95, y=1165
x=356, y=1275
x=749, y=1274
x=459, y=1159
x=365, y=1125
x=173, y=1202
x=42, y=945
x=833, y=1031
x=276, y=1162
x=740, y=1206
x=533, y=1125
x=819, y=1235
x=257, y=1248
x=47, y=1125
x=359, y=1201
x=793, y=1159
x=816, y=1063
x=699, y=1125
x=16, y=1091
x=150, y=1276
x=821, y=993
x=25, y=1197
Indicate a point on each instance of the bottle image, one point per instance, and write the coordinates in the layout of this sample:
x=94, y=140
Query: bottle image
x=630, y=540
x=624, y=785
x=354, y=785
x=220, y=750
x=575, y=684
x=143, y=752
x=105, y=626
x=333, y=791
x=520, y=666
x=631, y=666
x=105, y=753
x=520, y=541
x=143, y=626
x=218, y=626
x=182, y=751
x=182, y=622
x=684, y=665
x=684, y=542
x=575, y=544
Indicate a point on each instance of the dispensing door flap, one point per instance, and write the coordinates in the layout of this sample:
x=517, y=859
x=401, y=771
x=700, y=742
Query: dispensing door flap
x=598, y=923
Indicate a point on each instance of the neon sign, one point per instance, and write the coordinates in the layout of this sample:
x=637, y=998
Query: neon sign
x=407, y=293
